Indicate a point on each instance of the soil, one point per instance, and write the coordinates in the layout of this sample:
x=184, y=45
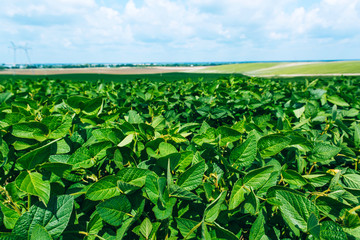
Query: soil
x=120, y=70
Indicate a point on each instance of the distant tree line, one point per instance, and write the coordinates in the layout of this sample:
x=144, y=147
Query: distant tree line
x=97, y=65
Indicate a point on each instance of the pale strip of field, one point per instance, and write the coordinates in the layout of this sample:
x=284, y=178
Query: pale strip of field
x=238, y=68
x=121, y=70
x=268, y=69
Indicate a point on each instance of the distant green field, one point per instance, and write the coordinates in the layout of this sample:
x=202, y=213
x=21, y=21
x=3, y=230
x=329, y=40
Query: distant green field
x=239, y=68
x=284, y=68
x=120, y=78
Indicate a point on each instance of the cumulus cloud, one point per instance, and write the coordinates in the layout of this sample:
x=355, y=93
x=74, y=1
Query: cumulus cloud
x=174, y=30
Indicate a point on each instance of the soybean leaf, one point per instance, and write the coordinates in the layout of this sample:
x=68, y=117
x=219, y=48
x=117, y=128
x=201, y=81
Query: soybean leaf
x=192, y=177
x=30, y=130
x=131, y=179
x=213, y=209
x=134, y=117
x=331, y=230
x=58, y=126
x=127, y=140
x=185, y=226
x=323, y=151
x=37, y=156
x=272, y=144
x=227, y=135
x=154, y=186
x=257, y=177
x=114, y=210
x=10, y=216
x=164, y=210
x=295, y=208
x=352, y=180
x=244, y=154
x=103, y=189
x=95, y=224
x=146, y=228
x=93, y=106
x=331, y=207
x=257, y=230
x=335, y=99
x=179, y=192
x=54, y=217
x=39, y=232
x=34, y=184
x=108, y=134
x=313, y=225
x=357, y=136
x=237, y=194
x=121, y=231
x=294, y=178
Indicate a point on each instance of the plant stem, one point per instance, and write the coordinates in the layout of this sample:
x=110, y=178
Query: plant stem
x=312, y=167
x=29, y=202
x=11, y=201
x=354, y=209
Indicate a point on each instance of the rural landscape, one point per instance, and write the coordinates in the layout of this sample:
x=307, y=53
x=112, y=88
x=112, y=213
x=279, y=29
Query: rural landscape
x=167, y=119
x=180, y=155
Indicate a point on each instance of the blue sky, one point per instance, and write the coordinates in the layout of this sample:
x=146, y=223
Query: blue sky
x=119, y=31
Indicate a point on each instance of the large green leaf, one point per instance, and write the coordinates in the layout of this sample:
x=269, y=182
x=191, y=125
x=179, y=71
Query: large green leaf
x=357, y=135
x=323, y=151
x=131, y=179
x=331, y=231
x=192, y=177
x=39, y=232
x=34, y=183
x=213, y=209
x=30, y=130
x=93, y=106
x=114, y=210
x=331, y=208
x=58, y=126
x=335, y=99
x=134, y=117
x=237, y=194
x=77, y=102
x=185, y=226
x=37, y=156
x=54, y=217
x=295, y=208
x=154, y=186
x=352, y=180
x=244, y=154
x=95, y=224
x=164, y=210
x=108, y=134
x=227, y=135
x=257, y=231
x=257, y=177
x=179, y=192
x=313, y=225
x=294, y=178
x=103, y=189
x=272, y=144
x=146, y=228
x=10, y=216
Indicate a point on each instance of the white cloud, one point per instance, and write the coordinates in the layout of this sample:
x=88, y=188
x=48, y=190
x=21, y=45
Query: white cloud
x=172, y=28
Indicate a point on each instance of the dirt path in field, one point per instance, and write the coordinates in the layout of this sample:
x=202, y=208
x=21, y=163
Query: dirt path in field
x=281, y=65
x=120, y=70
x=307, y=75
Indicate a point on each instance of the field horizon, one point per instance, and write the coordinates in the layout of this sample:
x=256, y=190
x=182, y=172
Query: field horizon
x=261, y=69
x=287, y=69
